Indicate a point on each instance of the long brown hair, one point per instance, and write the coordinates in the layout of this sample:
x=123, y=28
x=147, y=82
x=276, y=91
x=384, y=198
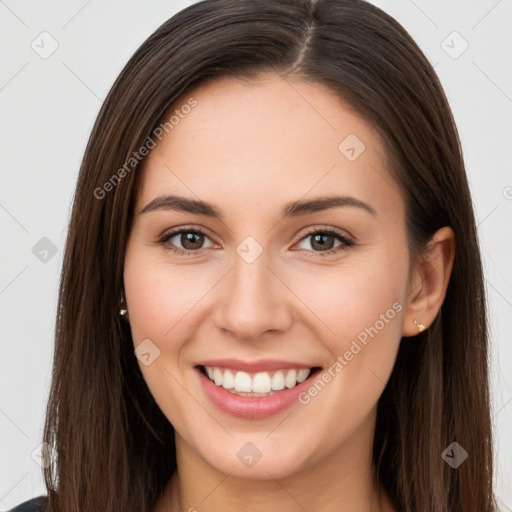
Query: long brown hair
x=115, y=448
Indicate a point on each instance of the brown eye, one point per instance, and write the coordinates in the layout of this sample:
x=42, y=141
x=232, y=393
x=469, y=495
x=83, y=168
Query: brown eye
x=190, y=240
x=322, y=241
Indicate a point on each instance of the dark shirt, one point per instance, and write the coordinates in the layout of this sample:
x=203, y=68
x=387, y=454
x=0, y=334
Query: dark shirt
x=32, y=505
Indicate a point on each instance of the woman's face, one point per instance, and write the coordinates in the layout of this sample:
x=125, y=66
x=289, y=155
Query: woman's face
x=256, y=292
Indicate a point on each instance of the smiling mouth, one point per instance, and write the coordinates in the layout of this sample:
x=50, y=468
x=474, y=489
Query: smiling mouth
x=259, y=384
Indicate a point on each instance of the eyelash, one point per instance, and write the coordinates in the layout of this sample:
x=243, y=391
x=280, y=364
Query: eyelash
x=346, y=241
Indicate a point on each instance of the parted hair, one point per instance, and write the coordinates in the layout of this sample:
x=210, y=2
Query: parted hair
x=114, y=447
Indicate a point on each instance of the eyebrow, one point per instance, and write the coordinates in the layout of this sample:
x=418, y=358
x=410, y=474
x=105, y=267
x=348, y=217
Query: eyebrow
x=292, y=209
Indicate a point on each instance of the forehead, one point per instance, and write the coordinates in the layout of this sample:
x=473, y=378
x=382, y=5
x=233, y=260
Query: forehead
x=274, y=138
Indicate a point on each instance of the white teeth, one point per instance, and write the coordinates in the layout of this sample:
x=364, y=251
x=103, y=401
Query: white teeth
x=259, y=383
x=291, y=379
x=218, y=376
x=303, y=374
x=243, y=382
x=278, y=381
x=228, y=381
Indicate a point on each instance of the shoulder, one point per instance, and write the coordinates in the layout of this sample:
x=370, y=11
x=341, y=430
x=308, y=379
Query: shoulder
x=32, y=505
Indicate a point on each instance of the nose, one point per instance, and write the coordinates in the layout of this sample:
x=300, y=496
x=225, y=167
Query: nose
x=254, y=301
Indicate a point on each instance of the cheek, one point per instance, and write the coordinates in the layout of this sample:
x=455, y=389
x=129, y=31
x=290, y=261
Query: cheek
x=163, y=304
x=160, y=305
x=160, y=296
x=358, y=314
x=363, y=312
x=349, y=299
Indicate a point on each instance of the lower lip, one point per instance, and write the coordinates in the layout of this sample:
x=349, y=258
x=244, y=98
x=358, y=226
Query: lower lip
x=252, y=407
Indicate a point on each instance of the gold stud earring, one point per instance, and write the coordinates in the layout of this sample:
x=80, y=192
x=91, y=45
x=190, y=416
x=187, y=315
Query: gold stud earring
x=420, y=327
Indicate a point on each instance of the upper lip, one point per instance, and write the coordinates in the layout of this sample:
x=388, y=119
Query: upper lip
x=261, y=365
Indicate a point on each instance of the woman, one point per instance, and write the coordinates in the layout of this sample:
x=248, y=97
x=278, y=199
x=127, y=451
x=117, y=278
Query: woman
x=272, y=293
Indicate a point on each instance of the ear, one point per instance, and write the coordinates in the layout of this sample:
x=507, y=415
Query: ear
x=429, y=282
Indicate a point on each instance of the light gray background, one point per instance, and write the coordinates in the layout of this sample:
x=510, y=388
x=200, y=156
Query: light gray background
x=48, y=107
